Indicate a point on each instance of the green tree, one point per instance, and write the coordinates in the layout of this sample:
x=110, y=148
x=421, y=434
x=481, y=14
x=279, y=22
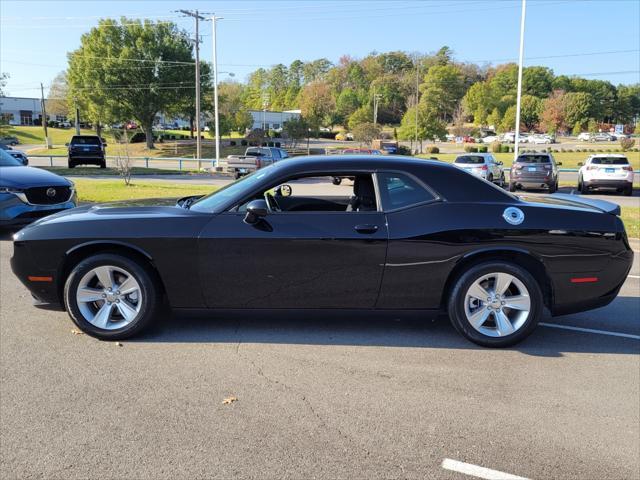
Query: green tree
x=443, y=88
x=316, y=103
x=107, y=77
x=361, y=115
x=508, y=122
x=366, y=132
x=243, y=121
x=296, y=129
x=537, y=81
x=577, y=129
x=577, y=107
x=346, y=103
x=530, y=109
x=57, y=101
x=430, y=127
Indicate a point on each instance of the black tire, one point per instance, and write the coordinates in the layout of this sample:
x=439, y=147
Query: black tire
x=628, y=191
x=336, y=180
x=456, y=307
x=502, y=180
x=150, y=295
x=553, y=188
x=236, y=175
x=103, y=165
x=490, y=178
x=584, y=190
x=72, y=164
x=512, y=186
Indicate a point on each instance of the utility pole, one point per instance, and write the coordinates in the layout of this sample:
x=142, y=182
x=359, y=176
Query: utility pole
x=197, y=17
x=417, y=95
x=215, y=87
x=520, y=61
x=44, y=116
x=376, y=100
x=75, y=103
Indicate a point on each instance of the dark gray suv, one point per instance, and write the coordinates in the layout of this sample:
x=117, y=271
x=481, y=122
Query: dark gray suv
x=534, y=170
x=87, y=150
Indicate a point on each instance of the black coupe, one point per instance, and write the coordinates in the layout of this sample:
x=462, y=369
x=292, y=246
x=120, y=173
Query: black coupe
x=409, y=234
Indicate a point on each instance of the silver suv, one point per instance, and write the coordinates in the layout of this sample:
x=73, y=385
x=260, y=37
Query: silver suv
x=483, y=165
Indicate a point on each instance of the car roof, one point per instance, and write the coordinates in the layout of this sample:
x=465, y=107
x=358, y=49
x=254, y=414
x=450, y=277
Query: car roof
x=358, y=162
x=608, y=155
x=476, y=154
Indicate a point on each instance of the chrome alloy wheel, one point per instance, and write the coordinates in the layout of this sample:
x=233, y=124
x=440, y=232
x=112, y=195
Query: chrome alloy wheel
x=497, y=304
x=109, y=297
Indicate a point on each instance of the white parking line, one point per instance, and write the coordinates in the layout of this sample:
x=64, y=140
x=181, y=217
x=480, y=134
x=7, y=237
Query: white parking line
x=476, y=471
x=633, y=276
x=590, y=330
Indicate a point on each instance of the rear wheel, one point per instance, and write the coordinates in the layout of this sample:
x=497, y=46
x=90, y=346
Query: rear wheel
x=512, y=186
x=495, y=304
x=72, y=164
x=583, y=188
x=111, y=297
x=553, y=188
x=103, y=165
x=628, y=191
x=502, y=180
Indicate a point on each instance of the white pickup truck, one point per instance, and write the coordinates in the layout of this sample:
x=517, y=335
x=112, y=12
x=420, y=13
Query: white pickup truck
x=253, y=159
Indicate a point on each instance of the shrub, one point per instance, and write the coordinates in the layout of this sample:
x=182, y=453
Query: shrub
x=627, y=144
x=402, y=150
x=506, y=149
x=483, y=148
x=243, y=142
x=232, y=143
x=471, y=149
x=433, y=149
x=496, y=147
x=278, y=144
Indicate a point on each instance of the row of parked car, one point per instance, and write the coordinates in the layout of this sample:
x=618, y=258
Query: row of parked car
x=540, y=171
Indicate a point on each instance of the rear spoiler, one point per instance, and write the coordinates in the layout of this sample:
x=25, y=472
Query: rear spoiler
x=607, y=207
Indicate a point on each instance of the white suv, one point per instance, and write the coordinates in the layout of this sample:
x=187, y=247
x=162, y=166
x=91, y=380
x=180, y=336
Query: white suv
x=483, y=165
x=606, y=171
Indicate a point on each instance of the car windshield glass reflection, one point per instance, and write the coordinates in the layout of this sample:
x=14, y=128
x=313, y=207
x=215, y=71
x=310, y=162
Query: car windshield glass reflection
x=6, y=160
x=85, y=141
x=473, y=159
x=236, y=189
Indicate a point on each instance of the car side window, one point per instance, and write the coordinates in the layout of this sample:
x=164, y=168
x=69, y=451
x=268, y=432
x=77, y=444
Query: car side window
x=398, y=190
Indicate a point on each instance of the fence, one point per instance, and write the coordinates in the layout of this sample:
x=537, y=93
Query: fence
x=146, y=162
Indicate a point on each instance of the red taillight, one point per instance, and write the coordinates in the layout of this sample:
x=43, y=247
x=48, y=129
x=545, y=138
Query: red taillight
x=592, y=167
x=518, y=166
x=628, y=168
x=258, y=162
x=484, y=167
x=584, y=279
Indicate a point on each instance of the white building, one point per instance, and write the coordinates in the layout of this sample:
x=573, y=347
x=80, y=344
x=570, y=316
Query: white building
x=268, y=120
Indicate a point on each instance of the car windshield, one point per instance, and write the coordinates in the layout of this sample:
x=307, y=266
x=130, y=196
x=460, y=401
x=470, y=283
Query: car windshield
x=237, y=189
x=610, y=161
x=533, y=159
x=474, y=159
x=6, y=160
x=86, y=140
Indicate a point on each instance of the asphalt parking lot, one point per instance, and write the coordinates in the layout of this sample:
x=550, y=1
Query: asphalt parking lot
x=324, y=396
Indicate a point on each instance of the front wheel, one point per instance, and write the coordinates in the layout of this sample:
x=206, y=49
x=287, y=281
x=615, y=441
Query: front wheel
x=512, y=186
x=111, y=297
x=583, y=188
x=103, y=165
x=495, y=304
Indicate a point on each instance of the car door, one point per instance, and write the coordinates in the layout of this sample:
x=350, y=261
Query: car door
x=299, y=259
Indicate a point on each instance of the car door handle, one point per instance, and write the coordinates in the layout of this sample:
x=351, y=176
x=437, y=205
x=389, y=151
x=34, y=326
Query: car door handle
x=366, y=228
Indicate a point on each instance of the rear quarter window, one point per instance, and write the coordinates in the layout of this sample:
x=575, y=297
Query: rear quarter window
x=86, y=141
x=398, y=190
x=473, y=159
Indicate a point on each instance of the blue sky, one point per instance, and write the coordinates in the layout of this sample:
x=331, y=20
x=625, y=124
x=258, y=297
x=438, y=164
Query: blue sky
x=36, y=35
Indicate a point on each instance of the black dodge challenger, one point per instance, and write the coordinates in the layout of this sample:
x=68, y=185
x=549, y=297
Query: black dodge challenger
x=409, y=235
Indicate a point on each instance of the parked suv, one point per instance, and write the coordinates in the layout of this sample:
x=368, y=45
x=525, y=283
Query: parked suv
x=606, y=171
x=87, y=150
x=534, y=170
x=483, y=165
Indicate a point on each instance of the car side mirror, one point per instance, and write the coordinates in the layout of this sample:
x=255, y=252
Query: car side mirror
x=284, y=190
x=256, y=210
x=558, y=163
x=66, y=144
x=499, y=163
x=104, y=144
x=580, y=164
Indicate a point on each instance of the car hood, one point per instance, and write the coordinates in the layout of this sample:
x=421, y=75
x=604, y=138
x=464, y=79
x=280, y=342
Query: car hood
x=24, y=177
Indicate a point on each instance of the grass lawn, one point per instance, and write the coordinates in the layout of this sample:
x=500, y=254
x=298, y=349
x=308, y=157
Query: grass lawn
x=99, y=191
x=631, y=218
x=34, y=135
x=91, y=171
x=568, y=159
x=165, y=149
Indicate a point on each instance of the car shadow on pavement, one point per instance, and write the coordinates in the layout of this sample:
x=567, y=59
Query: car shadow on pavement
x=368, y=330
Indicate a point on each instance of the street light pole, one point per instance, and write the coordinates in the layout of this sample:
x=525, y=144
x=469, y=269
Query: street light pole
x=215, y=88
x=520, y=61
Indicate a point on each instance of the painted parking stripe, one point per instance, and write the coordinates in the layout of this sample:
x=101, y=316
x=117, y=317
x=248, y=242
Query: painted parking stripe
x=590, y=330
x=476, y=471
x=633, y=276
